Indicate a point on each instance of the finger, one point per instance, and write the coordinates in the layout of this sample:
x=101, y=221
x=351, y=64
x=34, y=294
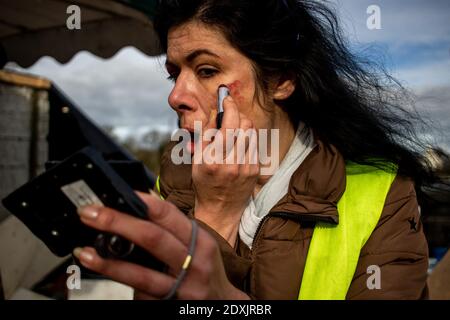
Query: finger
x=205, y=137
x=245, y=123
x=151, y=282
x=156, y=240
x=140, y=295
x=245, y=137
x=253, y=152
x=237, y=156
x=231, y=118
x=251, y=167
x=168, y=216
x=246, y=134
x=251, y=142
x=230, y=123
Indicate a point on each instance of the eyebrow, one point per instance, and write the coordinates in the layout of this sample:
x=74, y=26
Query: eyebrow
x=195, y=54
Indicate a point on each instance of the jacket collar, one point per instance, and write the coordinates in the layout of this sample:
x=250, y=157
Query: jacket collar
x=316, y=186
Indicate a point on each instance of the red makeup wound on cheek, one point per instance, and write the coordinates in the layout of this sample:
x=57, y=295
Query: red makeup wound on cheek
x=234, y=87
x=235, y=90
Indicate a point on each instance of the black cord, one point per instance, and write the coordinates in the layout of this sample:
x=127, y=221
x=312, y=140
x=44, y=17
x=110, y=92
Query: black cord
x=186, y=264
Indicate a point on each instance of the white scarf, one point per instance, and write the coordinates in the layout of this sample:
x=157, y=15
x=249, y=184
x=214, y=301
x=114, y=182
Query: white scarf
x=277, y=186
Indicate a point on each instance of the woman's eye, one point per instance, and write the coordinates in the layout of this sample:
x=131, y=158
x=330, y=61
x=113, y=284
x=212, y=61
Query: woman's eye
x=207, y=72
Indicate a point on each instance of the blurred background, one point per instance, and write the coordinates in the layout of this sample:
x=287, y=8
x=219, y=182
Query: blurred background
x=111, y=70
x=126, y=94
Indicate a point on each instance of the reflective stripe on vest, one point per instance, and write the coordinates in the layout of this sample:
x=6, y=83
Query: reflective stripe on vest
x=334, y=250
x=159, y=188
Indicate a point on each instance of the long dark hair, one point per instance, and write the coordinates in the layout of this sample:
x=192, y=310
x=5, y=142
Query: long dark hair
x=348, y=101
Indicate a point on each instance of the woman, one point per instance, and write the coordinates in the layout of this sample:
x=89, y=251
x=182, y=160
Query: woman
x=287, y=69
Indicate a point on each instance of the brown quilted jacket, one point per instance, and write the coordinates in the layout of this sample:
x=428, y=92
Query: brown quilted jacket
x=273, y=269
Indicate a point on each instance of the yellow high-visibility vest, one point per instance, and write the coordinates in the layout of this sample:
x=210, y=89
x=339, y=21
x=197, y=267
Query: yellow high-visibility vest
x=334, y=249
x=158, y=188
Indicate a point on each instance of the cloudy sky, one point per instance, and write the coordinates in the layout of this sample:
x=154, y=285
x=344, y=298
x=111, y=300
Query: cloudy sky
x=129, y=91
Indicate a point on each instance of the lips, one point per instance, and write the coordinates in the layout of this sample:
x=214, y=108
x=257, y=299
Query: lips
x=191, y=143
x=191, y=132
x=188, y=129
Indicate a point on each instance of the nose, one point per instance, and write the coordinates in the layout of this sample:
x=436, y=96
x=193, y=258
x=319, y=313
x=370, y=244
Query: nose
x=182, y=96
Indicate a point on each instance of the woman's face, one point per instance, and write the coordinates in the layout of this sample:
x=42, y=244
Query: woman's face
x=199, y=59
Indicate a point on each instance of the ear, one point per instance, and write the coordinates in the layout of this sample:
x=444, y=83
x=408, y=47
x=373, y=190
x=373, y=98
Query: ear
x=284, y=88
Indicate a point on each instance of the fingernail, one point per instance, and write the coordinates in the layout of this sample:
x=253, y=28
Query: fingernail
x=88, y=212
x=76, y=252
x=86, y=256
x=153, y=193
x=83, y=255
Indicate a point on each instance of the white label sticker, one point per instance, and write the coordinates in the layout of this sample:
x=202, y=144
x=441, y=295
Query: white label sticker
x=81, y=194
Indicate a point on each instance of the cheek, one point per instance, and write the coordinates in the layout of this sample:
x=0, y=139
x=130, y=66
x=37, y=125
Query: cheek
x=206, y=101
x=243, y=93
x=236, y=88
